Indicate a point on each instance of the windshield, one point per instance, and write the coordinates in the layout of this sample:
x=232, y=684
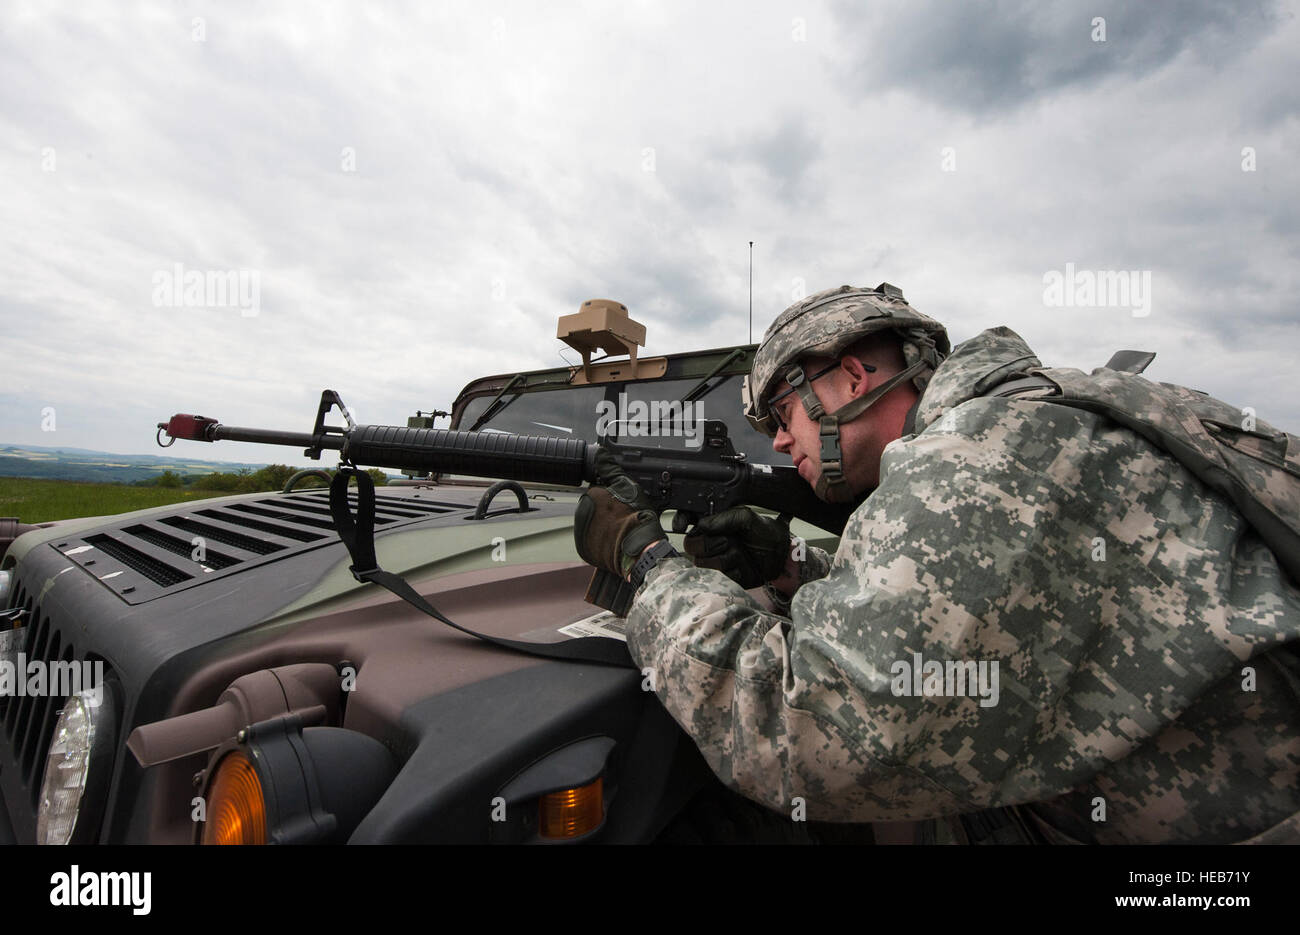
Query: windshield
x=569, y=411
x=646, y=413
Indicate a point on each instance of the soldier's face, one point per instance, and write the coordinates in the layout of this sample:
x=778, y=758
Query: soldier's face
x=862, y=440
x=795, y=435
x=799, y=436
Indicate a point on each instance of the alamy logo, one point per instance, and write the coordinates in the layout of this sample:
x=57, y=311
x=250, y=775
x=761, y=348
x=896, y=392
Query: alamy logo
x=931, y=678
x=22, y=677
x=651, y=419
x=104, y=888
x=213, y=288
x=1111, y=288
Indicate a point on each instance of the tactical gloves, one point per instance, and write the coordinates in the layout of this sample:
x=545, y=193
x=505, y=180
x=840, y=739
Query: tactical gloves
x=615, y=522
x=748, y=548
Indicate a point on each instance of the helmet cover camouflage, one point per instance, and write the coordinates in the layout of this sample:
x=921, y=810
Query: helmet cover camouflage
x=827, y=323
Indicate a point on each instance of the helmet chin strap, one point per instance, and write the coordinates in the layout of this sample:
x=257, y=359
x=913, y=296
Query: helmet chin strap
x=833, y=486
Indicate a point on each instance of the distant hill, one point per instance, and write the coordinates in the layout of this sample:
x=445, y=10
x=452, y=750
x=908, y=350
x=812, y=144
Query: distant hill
x=81, y=464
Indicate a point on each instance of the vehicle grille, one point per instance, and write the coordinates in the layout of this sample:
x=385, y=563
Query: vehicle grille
x=28, y=721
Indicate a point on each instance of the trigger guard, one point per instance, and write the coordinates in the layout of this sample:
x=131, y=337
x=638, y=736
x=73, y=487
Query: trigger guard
x=682, y=520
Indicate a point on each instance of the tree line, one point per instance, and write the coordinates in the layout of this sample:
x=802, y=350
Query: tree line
x=271, y=477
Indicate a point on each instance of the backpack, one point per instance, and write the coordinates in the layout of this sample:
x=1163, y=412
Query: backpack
x=1253, y=464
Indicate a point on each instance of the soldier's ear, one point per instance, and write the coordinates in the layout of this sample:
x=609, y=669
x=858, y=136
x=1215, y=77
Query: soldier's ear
x=859, y=380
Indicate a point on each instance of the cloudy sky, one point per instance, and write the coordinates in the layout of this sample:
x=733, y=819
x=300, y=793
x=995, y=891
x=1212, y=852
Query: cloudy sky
x=417, y=191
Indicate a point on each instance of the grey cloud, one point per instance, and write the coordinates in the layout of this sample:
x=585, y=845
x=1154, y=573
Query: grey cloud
x=666, y=290
x=995, y=55
x=379, y=283
x=786, y=154
x=710, y=179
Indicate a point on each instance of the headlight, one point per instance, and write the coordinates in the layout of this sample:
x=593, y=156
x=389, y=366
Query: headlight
x=77, y=768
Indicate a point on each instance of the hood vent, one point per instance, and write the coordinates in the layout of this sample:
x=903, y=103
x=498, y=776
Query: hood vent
x=140, y=561
x=158, y=572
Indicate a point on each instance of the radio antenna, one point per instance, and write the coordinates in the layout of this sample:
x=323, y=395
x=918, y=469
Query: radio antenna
x=751, y=292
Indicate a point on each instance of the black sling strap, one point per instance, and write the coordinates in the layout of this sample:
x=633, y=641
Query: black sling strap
x=358, y=536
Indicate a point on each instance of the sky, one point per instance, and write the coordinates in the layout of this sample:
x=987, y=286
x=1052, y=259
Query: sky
x=404, y=197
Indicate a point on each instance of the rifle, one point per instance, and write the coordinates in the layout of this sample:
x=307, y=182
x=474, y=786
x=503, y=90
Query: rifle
x=693, y=483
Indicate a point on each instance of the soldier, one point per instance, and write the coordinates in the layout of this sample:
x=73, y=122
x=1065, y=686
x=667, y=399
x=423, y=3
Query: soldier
x=1037, y=624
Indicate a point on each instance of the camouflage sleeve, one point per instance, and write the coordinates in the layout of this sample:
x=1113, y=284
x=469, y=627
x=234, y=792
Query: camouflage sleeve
x=967, y=649
x=815, y=564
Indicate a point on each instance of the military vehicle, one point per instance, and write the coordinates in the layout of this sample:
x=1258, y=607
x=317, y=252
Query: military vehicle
x=244, y=687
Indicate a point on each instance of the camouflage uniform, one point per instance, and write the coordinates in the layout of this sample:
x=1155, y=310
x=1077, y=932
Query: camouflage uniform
x=1120, y=673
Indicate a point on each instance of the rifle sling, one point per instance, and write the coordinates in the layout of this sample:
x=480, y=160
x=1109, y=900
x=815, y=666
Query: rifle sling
x=358, y=535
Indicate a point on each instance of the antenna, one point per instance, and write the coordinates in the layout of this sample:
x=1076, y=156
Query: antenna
x=751, y=292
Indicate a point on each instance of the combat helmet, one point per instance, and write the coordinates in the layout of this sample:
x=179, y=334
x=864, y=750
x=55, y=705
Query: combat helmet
x=825, y=325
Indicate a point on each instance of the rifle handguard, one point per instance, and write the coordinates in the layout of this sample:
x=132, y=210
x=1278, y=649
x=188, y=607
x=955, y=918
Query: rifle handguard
x=536, y=458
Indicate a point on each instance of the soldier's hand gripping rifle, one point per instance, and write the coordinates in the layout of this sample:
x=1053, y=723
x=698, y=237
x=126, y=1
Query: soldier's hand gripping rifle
x=693, y=483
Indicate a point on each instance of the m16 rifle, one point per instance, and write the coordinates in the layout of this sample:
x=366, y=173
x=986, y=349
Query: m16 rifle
x=693, y=483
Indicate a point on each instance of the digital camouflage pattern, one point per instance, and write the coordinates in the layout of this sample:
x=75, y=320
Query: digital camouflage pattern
x=1127, y=606
x=1253, y=464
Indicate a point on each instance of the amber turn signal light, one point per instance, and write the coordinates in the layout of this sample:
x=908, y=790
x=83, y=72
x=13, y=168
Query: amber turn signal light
x=236, y=809
x=571, y=813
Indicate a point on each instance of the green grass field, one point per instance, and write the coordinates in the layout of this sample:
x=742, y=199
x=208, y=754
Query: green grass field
x=39, y=501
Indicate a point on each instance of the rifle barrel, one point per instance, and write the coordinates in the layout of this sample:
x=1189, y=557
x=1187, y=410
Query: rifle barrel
x=235, y=433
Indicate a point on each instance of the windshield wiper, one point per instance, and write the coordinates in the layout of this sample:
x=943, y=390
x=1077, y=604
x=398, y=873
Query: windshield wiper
x=701, y=389
x=497, y=403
